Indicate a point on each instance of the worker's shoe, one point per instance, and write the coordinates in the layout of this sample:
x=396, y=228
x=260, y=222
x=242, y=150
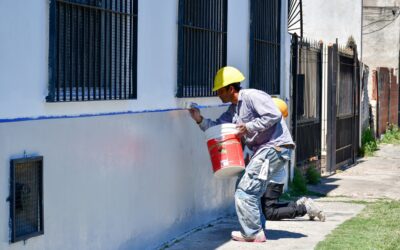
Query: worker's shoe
x=313, y=210
x=259, y=237
x=301, y=201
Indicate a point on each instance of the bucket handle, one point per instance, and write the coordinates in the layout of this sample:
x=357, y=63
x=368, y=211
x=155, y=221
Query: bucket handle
x=225, y=138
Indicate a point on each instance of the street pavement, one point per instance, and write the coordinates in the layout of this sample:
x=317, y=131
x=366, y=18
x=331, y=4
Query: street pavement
x=370, y=179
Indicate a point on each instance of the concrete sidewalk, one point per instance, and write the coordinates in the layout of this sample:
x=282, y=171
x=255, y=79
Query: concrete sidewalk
x=371, y=178
x=288, y=234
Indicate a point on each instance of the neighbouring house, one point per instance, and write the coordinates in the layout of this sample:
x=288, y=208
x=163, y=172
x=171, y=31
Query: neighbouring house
x=96, y=149
x=381, y=33
x=381, y=42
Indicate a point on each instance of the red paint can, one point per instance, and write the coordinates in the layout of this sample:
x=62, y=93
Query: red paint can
x=225, y=150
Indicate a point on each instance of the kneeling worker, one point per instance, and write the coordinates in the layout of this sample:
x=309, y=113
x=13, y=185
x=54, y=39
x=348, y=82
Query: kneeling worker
x=273, y=209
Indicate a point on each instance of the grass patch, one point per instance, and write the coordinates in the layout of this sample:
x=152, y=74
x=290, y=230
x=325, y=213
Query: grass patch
x=313, y=175
x=368, y=143
x=376, y=227
x=298, y=187
x=391, y=136
x=299, y=183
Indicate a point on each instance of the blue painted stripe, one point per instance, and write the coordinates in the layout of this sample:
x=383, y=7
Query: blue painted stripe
x=22, y=119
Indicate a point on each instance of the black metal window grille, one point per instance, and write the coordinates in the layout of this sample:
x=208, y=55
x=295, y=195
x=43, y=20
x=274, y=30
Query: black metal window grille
x=202, y=45
x=295, y=17
x=26, y=198
x=265, y=45
x=93, y=50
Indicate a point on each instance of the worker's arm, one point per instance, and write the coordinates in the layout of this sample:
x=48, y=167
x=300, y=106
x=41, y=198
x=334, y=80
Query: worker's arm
x=267, y=111
x=205, y=123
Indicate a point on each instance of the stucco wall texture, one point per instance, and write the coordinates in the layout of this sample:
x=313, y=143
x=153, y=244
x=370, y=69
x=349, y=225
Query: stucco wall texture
x=112, y=179
x=327, y=20
x=381, y=33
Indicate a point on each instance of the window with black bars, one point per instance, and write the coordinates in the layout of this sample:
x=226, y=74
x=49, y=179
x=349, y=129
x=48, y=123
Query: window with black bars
x=202, y=45
x=265, y=45
x=26, y=198
x=93, y=50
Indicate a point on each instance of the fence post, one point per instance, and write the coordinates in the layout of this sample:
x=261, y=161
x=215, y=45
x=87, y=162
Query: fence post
x=321, y=66
x=295, y=63
x=355, y=106
x=331, y=112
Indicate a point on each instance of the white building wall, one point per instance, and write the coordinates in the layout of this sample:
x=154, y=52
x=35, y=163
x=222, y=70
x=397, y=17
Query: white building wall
x=125, y=174
x=116, y=182
x=327, y=20
x=286, y=84
x=24, y=60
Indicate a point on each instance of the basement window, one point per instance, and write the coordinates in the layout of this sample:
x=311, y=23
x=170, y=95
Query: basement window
x=26, y=198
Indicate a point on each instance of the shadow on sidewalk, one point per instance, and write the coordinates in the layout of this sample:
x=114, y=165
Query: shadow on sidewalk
x=325, y=186
x=280, y=234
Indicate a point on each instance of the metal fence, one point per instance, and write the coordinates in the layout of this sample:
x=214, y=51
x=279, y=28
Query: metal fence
x=93, y=50
x=307, y=87
x=202, y=45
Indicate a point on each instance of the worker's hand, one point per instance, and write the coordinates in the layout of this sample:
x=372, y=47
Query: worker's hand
x=195, y=114
x=242, y=130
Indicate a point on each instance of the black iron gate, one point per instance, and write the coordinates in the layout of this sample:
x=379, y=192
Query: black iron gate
x=307, y=91
x=343, y=107
x=346, y=117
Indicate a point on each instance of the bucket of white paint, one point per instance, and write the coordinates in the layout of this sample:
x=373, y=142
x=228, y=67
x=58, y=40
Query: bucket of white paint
x=225, y=150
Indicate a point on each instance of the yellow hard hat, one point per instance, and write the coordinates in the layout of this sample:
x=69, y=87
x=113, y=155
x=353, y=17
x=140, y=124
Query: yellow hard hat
x=225, y=76
x=282, y=106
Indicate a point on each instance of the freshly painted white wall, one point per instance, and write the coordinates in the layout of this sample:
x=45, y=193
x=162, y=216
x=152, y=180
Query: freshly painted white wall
x=128, y=181
x=285, y=57
x=286, y=91
x=24, y=60
x=117, y=182
x=327, y=20
x=238, y=36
